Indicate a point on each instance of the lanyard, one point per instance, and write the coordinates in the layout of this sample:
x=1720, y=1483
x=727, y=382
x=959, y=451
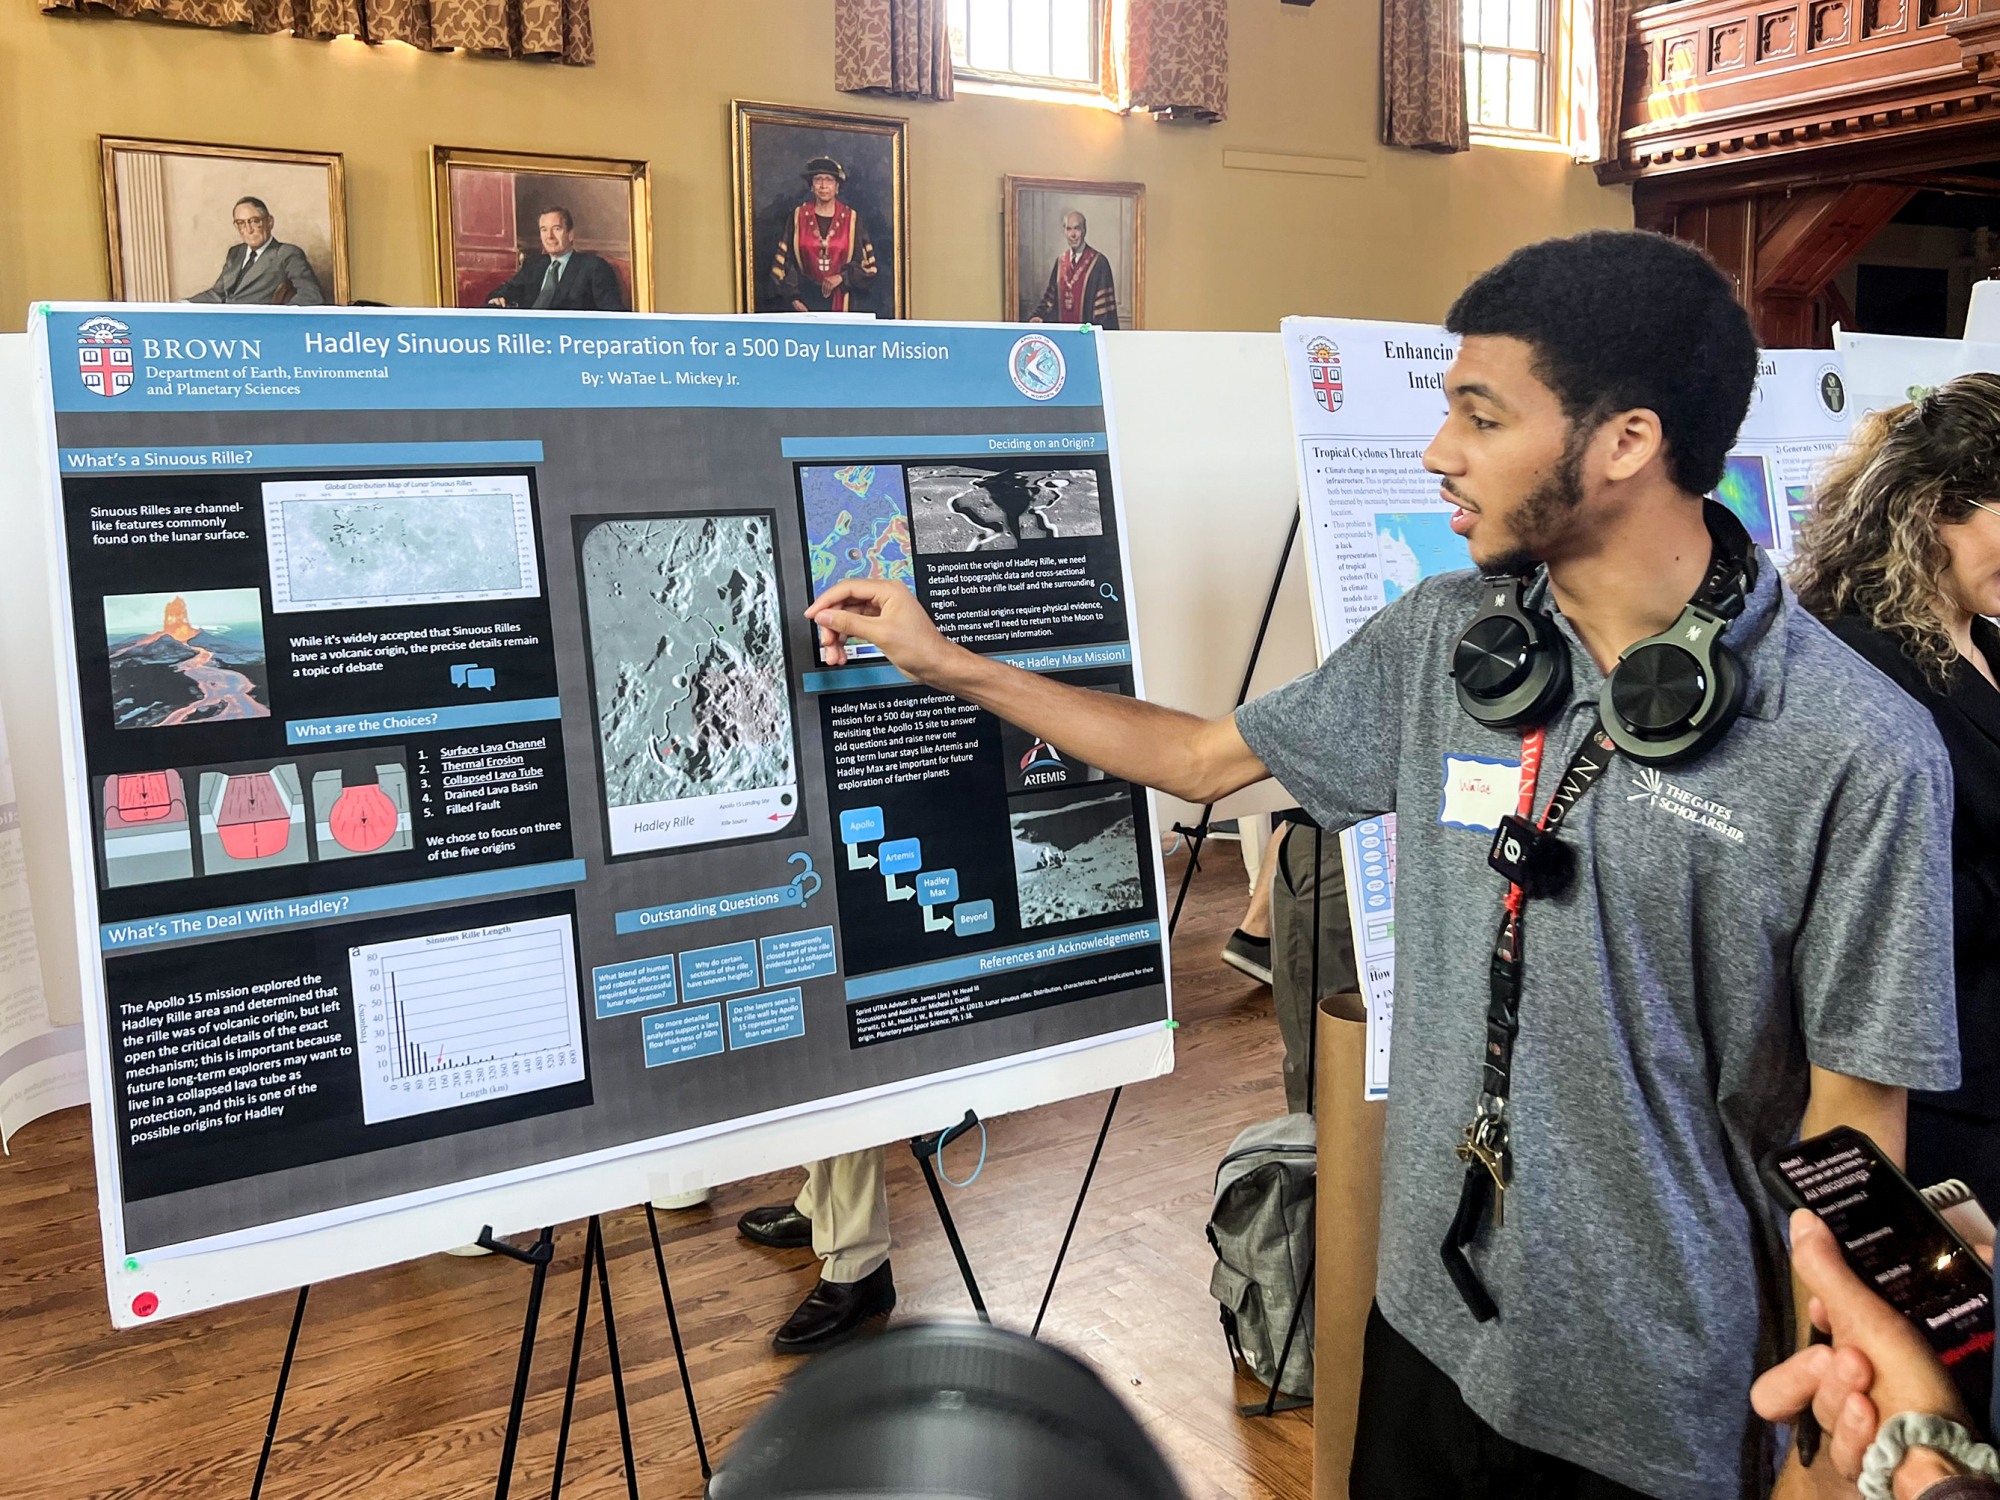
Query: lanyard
x=1528, y=852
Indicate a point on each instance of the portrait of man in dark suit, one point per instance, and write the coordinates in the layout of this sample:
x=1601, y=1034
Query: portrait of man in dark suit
x=562, y=278
x=263, y=268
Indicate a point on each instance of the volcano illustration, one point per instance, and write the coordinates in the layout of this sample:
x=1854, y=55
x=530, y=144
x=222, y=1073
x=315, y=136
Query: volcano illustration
x=203, y=663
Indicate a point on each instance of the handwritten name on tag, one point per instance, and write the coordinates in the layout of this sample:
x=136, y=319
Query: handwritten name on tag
x=1478, y=792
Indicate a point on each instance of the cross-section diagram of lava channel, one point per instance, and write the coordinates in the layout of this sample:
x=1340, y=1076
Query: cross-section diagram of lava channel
x=146, y=835
x=361, y=805
x=251, y=819
x=694, y=713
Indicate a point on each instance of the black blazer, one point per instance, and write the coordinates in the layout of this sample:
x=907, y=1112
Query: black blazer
x=1968, y=718
x=588, y=284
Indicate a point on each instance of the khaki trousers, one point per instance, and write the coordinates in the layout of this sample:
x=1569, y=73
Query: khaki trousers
x=847, y=1199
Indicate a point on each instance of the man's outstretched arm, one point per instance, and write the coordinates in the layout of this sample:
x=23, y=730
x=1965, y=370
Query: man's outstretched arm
x=1200, y=760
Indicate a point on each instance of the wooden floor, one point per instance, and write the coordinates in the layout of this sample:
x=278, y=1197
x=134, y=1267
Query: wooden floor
x=403, y=1376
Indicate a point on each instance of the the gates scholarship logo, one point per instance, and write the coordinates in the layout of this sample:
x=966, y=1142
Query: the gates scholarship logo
x=1037, y=367
x=104, y=356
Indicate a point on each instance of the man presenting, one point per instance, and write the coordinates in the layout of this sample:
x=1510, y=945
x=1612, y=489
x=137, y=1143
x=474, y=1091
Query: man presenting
x=1708, y=955
x=562, y=278
x=263, y=269
x=825, y=261
x=1080, y=289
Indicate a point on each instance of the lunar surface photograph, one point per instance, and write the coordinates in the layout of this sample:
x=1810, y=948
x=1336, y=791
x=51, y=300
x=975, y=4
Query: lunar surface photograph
x=688, y=665
x=960, y=509
x=1076, y=854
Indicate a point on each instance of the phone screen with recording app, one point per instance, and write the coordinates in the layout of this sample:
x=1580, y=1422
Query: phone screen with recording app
x=1897, y=1243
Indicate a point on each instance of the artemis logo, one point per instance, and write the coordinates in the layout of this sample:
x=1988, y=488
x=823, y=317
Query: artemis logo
x=200, y=349
x=1658, y=792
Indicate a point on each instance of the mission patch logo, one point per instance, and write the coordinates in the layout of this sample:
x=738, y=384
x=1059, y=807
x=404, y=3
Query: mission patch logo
x=1037, y=367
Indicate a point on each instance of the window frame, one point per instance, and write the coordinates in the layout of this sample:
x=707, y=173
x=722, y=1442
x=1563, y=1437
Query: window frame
x=1096, y=87
x=1551, y=108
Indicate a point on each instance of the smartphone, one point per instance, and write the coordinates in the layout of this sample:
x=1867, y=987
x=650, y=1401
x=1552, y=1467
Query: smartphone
x=1897, y=1243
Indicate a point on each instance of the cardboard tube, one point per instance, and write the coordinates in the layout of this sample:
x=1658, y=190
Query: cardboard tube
x=1348, y=1212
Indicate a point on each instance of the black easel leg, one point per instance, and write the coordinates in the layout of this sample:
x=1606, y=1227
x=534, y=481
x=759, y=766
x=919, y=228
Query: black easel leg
x=1197, y=836
x=680, y=1350
x=617, y=1370
x=1048, y=1292
x=575, y=1356
x=278, y=1399
x=1290, y=1403
x=543, y=1253
x=950, y=1228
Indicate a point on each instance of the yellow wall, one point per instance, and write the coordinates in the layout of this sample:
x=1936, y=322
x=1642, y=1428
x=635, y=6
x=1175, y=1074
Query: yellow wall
x=1227, y=248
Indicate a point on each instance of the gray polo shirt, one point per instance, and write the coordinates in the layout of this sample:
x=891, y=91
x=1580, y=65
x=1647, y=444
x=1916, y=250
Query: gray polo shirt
x=1783, y=900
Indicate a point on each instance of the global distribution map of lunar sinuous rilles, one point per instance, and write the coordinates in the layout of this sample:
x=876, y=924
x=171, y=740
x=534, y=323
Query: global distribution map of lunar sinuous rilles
x=694, y=717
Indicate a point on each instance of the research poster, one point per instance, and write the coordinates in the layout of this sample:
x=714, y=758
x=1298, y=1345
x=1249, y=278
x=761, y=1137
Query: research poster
x=1367, y=398
x=464, y=791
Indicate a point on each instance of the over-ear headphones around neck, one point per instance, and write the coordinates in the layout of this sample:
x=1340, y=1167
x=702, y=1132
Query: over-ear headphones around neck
x=1670, y=697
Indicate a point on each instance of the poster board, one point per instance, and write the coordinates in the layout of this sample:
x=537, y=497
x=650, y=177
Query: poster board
x=1884, y=370
x=1366, y=398
x=41, y=1031
x=1211, y=490
x=474, y=836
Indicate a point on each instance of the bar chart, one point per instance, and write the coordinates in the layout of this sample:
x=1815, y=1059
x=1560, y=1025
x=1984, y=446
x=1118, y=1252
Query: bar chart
x=457, y=1018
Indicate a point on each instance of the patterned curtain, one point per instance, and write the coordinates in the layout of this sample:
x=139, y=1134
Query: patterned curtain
x=510, y=28
x=892, y=47
x=1176, y=58
x=1423, y=76
x=1613, y=20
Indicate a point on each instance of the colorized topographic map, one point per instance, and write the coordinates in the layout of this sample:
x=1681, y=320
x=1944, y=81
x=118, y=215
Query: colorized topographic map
x=857, y=524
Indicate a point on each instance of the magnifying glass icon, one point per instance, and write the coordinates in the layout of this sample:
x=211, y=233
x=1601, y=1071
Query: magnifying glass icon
x=1108, y=592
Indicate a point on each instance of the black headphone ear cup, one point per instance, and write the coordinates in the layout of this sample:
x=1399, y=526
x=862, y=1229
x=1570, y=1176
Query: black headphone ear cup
x=1524, y=684
x=1730, y=683
x=1725, y=703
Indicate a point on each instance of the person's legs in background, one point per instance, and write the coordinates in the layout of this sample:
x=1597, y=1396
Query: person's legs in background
x=1248, y=950
x=1307, y=861
x=843, y=1214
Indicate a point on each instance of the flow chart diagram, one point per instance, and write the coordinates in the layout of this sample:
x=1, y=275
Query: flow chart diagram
x=931, y=890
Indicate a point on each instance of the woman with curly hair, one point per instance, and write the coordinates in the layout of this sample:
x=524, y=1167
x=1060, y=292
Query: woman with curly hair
x=1901, y=557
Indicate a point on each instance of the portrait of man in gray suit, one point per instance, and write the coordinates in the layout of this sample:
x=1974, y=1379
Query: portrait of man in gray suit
x=263, y=269
x=562, y=277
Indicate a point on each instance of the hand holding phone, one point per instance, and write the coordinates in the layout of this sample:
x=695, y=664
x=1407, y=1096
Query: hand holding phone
x=1890, y=1280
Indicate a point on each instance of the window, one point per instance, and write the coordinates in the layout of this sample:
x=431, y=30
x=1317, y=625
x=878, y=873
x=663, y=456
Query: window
x=1044, y=43
x=1507, y=48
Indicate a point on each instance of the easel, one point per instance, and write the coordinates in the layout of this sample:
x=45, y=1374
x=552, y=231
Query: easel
x=926, y=1148
x=538, y=1256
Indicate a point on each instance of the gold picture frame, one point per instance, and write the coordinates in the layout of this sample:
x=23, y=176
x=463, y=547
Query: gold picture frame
x=1031, y=224
x=169, y=208
x=485, y=206
x=769, y=147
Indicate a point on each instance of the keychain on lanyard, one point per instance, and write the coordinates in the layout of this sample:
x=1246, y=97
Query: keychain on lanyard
x=1536, y=863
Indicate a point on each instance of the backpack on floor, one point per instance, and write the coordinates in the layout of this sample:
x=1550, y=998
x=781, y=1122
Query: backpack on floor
x=1261, y=1225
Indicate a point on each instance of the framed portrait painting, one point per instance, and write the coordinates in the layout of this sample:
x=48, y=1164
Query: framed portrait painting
x=187, y=222
x=822, y=211
x=1076, y=252
x=561, y=233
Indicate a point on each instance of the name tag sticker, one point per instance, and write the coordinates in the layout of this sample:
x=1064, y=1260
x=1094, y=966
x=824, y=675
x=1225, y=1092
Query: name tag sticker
x=1478, y=792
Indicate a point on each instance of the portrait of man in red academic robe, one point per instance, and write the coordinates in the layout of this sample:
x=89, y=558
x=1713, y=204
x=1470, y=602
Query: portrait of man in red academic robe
x=825, y=259
x=1080, y=287
x=1075, y=252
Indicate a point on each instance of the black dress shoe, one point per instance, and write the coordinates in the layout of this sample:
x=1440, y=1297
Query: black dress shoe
x=835, y=1311
x=780, y=1226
